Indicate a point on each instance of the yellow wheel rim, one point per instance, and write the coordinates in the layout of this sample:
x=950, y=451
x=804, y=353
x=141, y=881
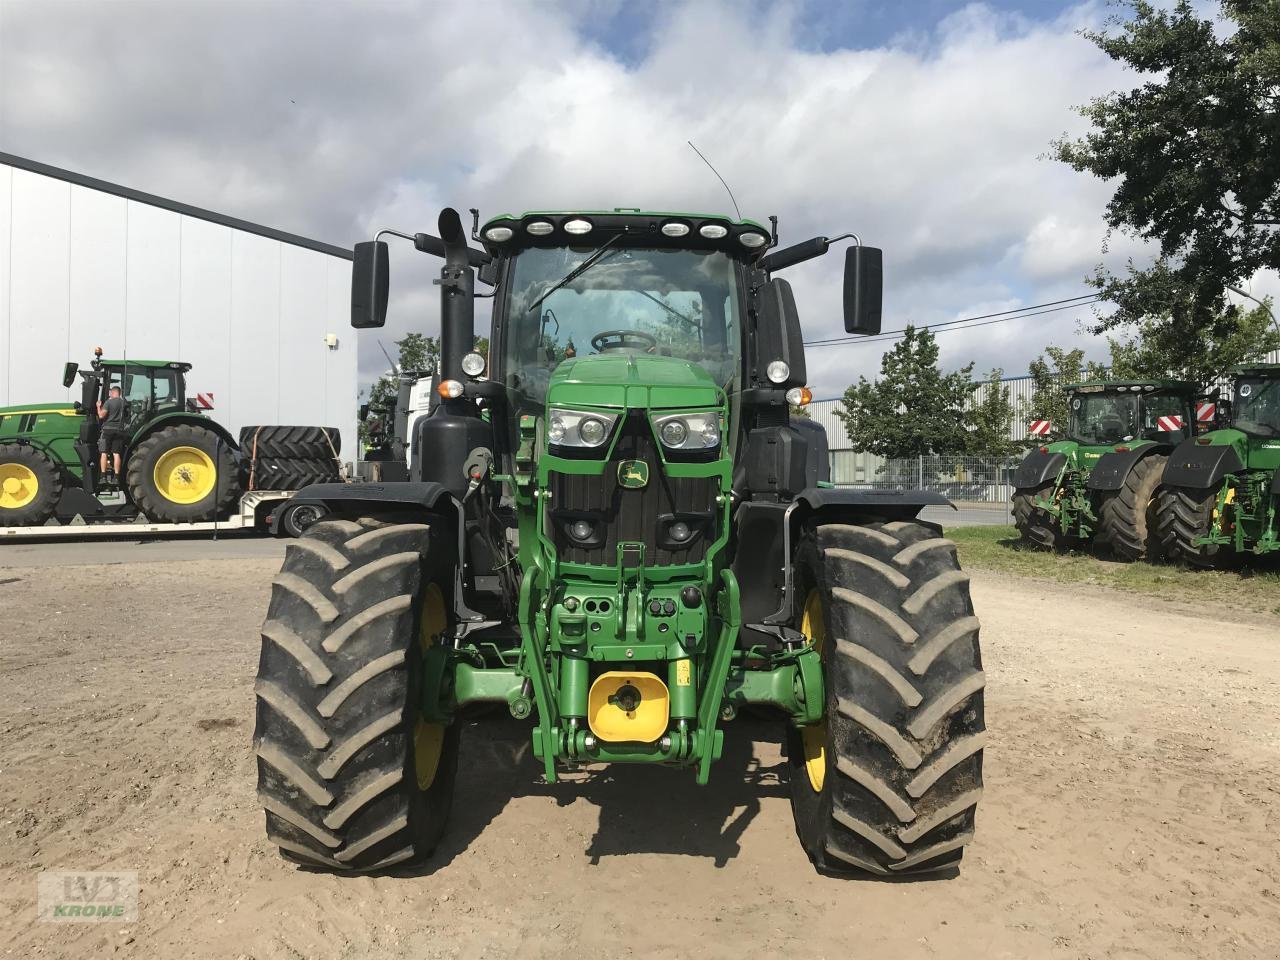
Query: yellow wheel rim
x=185, y=475
x=428, y=738
x=814, y=736
x=19, y=485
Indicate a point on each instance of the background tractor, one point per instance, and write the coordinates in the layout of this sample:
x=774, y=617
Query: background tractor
x=1100, y=481
x=1221, y=494
x=178, y=465
x=617, y=533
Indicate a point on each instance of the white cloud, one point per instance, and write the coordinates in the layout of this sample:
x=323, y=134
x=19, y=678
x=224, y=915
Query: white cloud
x=331, y=120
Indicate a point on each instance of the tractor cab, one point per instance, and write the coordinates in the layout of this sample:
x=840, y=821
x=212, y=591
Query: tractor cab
x=149, y=387
x=1106, y=414
x=1256, y=406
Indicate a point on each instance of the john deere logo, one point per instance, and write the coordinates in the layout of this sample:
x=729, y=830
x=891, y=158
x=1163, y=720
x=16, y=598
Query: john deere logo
x=633, y=474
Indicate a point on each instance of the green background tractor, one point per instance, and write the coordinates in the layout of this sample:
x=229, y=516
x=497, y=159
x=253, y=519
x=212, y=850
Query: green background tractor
x=1099, y=482
x=178, y=464
x=615, y=531
x=1221, y=496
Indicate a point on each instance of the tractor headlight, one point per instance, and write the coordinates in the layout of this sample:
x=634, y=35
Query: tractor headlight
x=689, y=431
x=778, y=371
x=579, y=430
x=473, y=364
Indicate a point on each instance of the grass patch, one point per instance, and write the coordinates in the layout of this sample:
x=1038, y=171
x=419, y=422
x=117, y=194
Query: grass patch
x=1255, y=586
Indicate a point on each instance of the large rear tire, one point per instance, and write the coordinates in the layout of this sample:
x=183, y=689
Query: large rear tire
x=185, y=473
x=1037, y=527
x=1127, y=517
x=30, y=486
x=350, y=775
x=888, y=783
x=1183, y=516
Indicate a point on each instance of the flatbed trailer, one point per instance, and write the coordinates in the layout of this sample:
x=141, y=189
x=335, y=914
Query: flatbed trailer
x=250, y=515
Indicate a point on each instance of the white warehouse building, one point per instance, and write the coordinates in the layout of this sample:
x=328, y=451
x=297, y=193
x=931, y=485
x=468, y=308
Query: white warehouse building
x=261, y=315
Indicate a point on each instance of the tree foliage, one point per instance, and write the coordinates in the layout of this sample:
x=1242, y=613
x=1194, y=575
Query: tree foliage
x=990, y=420
x=1050, y=371
x=1156, y=352
x=1195, y=154
x=913, y=408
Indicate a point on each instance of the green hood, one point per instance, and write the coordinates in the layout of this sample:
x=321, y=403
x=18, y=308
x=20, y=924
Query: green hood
x=632, y=380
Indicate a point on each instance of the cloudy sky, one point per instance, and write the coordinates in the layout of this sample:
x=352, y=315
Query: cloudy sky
x=922, y=126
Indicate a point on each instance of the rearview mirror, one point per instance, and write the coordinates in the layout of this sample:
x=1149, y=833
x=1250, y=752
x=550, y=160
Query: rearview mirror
x=69, y=373
x=863, y=289
x=370, y=280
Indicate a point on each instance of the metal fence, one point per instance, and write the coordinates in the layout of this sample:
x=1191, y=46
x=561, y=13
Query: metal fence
x=980, y=488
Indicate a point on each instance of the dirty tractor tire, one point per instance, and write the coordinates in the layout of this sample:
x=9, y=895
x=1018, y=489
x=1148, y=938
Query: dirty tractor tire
x=1038, y=528
x=888, y=783
x=1127, y=517
x=1183, y=516
x=183, y=474
x=30, y=486
x=350, y=775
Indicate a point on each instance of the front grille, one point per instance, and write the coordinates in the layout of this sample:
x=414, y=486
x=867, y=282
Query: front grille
x=622, y=514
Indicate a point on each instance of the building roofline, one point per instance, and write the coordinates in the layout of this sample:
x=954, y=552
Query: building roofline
x=199, y=213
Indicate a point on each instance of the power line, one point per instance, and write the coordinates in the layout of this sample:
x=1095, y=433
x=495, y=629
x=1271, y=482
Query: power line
x=948, y=326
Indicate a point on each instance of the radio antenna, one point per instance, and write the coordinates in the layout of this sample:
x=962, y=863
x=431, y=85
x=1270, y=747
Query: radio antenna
x=722, y=180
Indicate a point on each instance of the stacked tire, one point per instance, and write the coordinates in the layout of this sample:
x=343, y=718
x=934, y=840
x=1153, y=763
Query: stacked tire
x=290, y=457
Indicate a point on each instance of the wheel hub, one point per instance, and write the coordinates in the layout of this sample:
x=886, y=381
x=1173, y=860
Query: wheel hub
x=185, y=475
x=18, y=486
x=814, y=737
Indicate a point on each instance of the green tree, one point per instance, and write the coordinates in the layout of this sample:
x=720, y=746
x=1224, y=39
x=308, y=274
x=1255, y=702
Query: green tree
x=1194, y=152
x=1154, y=351
x=1048, y=399
x=991, y=420
x=913, y=408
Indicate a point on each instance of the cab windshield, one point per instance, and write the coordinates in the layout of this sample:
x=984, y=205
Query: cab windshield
x=671, y=303
x=1257, y=407
x=1098, y=418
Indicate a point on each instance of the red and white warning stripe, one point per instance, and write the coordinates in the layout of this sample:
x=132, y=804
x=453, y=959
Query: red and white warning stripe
x=1170, y=424
x=1205, y=411
x=204, y=401
x=1040, y=428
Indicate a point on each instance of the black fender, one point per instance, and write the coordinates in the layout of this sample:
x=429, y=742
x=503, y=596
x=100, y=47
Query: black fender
x=768, y=533
x=1199, y=467
x=1038, y=467
x=899, y=502
x=357, y=499
x=1112, y=468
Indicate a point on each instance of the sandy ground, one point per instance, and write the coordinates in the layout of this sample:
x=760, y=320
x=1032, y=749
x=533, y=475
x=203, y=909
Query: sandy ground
x=1132, y=805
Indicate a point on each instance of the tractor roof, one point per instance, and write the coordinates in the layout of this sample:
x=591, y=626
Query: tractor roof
x=650, y=227
x=167, y=364
x=1121, y=386
x=1256, y=369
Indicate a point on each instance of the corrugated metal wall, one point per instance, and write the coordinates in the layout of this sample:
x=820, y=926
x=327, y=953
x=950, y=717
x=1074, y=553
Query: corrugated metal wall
x=81, y=268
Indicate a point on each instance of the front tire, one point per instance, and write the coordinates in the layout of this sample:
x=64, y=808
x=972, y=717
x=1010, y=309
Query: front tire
x=1184, y=515
x=1037, y=527
x=30, y=486
x=184, y=473
x=350, y=775
x=888, y=783
x=1127, y=517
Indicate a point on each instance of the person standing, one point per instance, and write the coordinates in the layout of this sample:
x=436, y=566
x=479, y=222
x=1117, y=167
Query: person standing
x=114, y=415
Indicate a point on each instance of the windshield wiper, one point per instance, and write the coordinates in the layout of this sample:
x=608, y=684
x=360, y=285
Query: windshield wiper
x=577, y=271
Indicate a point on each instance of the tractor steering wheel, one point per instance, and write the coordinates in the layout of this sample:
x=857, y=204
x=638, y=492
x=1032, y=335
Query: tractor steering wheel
x=623, y=340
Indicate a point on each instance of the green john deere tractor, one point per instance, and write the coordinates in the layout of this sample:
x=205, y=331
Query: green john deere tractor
x=1221, y=494
x=1099, y=482
x=620, y=536
x=179, y=465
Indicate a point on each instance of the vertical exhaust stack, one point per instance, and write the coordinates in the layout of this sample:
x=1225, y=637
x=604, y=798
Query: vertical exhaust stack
x=457, y=304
